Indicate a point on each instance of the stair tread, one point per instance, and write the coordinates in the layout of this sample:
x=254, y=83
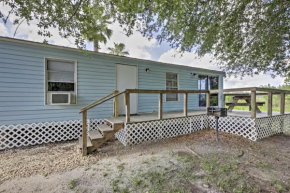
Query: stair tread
x=114, y=120
x=89, y=142
x=105, y=128
x=95, y=134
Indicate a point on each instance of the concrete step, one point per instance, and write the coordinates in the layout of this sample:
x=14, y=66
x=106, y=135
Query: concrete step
x=105, y=129
x=95, y=135
x=89, y=142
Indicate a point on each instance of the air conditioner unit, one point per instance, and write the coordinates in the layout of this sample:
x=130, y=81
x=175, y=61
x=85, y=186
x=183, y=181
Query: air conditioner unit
x=60, y=98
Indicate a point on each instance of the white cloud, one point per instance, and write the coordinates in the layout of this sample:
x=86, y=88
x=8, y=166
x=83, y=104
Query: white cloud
x=3, y=30
x=190, y=59
x=29, y=32
x=136, y=44
x=255, y=81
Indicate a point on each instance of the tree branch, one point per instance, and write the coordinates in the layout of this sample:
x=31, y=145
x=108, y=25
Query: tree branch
x=18, y=27
x=78, y=6
x=5, y=20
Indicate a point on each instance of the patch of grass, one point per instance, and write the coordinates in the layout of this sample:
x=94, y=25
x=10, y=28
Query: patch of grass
x=145, y=161
x=137, y=181
x=153, y=159
x=115, y=185
x=263, y=164
x=156, y=180
x=72, y=184
x=121, y=167
x=279, y=186
x=178, y=189
x=185, y=158
x=105, y=174
x=224, y=172
x=125, y=190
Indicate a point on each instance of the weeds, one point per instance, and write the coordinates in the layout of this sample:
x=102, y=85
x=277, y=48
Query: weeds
x=137, y=181
x=121, y=167
x=72, y=184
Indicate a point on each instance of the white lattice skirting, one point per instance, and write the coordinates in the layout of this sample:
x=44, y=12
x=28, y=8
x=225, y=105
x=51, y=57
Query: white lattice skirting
x=253, y=129
x=38, y=133
x=135, y=133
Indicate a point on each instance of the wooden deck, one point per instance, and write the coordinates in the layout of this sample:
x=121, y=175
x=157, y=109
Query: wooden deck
x=169, y=115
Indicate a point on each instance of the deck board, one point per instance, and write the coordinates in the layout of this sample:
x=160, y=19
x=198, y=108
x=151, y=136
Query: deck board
x=168, y=115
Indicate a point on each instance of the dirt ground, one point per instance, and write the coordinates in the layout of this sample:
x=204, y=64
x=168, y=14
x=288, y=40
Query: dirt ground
x=189, y=163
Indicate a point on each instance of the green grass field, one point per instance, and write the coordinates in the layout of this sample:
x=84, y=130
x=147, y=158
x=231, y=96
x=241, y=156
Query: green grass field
x=276, y=103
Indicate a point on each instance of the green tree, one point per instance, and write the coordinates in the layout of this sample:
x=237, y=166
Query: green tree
x=102, y=32
x=80, y=19
x=245, y=37
x=118, y=49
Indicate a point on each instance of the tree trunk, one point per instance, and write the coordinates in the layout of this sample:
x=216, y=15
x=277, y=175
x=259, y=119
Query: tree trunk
x=96, y=45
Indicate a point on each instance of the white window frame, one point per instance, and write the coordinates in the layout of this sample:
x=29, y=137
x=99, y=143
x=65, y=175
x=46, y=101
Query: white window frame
x=177, y=86
x=46, y=92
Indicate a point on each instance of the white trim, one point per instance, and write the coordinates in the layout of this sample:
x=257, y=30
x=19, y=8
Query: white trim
x=178, y=86
x=46, y=92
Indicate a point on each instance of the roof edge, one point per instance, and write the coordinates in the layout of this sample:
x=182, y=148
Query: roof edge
x=99, y=53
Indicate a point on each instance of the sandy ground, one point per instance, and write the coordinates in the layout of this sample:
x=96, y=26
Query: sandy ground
x=190, y=163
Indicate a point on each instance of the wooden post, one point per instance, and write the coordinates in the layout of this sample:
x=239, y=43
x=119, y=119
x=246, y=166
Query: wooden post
x=253, y=104
x=282, y=104
x=224, y=100
x=160, y=106
x=84, y=133
x=127, y=106
x=270, y=103
x=207, y=100
x=185, y=100
x=116, y=104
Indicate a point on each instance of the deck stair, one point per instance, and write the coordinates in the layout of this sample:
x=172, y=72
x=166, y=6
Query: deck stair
x=104, y=132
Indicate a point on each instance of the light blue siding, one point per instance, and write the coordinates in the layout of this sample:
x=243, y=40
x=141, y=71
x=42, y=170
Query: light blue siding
x=22, y=83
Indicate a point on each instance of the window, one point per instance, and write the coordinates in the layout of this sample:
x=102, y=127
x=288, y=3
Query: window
x=208, y=83
x=171, y=84
x=60, y=81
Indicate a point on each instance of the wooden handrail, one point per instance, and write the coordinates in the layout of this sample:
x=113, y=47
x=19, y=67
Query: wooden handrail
x=143, y=91
x=100, y=101
x=87, y=106
x=84, y=111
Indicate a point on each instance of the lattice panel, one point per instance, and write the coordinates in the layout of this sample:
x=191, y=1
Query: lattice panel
x=242, y=126
x=199, y=122
x=136, y=133
x=38, y=133
x=121, y=135
x=287, y=124
x=268, y=126
x=93, y=123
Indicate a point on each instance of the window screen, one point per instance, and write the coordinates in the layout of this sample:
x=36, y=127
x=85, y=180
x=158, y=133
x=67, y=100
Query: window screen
x=171, y=84
x=60, y=75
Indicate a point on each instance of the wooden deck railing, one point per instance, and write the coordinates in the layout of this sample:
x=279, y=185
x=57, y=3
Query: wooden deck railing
x=160, y=99
x=253, y=92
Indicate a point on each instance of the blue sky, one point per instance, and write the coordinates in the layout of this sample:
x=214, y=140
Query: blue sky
x=138, y=47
